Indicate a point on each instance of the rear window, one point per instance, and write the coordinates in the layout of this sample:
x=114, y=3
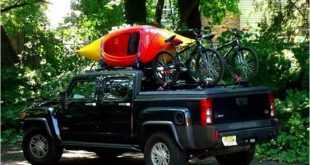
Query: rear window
x=117, y=89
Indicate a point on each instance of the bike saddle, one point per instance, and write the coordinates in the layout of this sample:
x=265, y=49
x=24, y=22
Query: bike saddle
x=174, y=41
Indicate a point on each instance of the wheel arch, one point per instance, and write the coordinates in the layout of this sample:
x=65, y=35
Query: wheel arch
x=42, y=123
x=151, y=127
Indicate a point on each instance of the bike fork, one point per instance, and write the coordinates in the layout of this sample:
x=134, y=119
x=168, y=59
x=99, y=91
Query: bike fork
x=235, y=76
x=179, y=66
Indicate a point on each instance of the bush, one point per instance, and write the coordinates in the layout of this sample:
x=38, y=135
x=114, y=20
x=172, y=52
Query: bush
x=292, y=143
x=29, y=81
x=11, y=136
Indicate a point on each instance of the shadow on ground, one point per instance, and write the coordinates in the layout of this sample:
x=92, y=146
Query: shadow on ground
x=14, y=156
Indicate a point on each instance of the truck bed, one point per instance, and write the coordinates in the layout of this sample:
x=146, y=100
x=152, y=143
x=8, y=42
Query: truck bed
x=230, y=103
x=220, y=91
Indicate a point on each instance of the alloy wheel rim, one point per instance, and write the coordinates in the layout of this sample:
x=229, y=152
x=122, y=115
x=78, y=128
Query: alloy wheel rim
x=38, y=146
x=160, y=154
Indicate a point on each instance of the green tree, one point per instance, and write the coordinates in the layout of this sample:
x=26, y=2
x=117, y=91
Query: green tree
x=95, y=18
x=42, y=61
x=190, y=11
x=282, y=44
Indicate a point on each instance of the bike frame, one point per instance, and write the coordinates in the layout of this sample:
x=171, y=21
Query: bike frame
x=193, y=54
x=187, y=47
x=234, y=45
x=197, y=45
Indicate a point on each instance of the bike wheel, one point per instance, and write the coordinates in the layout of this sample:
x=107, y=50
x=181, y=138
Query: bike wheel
x=209, y=67
x=193, y=68
x=245, y=63
x=164, y=68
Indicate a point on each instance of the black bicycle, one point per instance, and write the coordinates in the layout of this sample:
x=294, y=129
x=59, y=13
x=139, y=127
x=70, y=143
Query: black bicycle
x=203, y=64
x=240, y=61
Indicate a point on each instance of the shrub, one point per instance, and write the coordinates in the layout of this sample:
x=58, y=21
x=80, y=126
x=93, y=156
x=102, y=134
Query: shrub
x=292, y=143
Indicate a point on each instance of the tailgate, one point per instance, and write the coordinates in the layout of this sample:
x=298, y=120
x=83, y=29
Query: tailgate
x=240, y=104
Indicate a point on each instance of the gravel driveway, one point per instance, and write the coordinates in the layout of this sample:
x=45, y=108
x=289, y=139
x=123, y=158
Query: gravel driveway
x=13, y=156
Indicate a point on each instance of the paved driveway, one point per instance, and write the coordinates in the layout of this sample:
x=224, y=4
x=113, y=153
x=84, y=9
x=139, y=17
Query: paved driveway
x=14, y=156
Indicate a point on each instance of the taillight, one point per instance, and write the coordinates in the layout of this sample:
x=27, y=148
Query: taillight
x=205, y=112
x=272, y=104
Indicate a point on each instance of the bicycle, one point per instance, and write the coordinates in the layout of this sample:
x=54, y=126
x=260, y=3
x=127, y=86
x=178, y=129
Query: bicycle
x=240, y=61
x=204, y=65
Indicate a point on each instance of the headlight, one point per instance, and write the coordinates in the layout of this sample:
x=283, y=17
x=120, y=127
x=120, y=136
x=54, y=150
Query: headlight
x=51, y=109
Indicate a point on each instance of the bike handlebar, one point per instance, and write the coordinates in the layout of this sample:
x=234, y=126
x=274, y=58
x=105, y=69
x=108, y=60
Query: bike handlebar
x=235, y=32
x=198, y=30
x=200, y=33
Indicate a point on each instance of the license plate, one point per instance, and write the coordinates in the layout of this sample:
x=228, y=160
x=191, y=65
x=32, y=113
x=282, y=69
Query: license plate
x=229, y=140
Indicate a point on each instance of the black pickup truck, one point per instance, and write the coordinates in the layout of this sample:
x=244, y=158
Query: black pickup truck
x=109, y=113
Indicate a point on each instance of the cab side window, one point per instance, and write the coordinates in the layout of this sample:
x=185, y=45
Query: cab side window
x=118, y=89
x=83, y=89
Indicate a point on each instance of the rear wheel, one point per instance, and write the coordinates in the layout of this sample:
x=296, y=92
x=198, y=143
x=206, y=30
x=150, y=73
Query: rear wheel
x=240, y=158
x=245, y=63
x=160, y=149
x=40, y=149
x=164, y=68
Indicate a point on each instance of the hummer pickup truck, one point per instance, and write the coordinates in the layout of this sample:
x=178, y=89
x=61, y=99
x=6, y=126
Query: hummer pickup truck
x=110, y=112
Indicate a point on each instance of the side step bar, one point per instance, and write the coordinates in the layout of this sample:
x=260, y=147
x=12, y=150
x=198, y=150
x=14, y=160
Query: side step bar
x=101, y=145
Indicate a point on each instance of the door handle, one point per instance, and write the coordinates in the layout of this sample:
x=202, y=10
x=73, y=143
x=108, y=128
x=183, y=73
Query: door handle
x=91, y=104
x=124, y=104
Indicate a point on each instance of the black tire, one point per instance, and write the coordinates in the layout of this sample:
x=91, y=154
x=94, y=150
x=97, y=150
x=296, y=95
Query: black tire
x=240, y=158
x=54, y=151
x=167, y=62
x=245, y=63
x=176, y=155
x=210, y=72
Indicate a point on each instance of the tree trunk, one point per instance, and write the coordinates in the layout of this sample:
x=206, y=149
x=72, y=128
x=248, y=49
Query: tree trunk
x=159, y=11
x=190, y=14
x=135, y=11
x=8, y=55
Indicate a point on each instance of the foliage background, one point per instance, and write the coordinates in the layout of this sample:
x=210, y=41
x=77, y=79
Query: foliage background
x=47, y=60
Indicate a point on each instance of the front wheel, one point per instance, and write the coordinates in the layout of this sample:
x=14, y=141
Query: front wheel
x=208, y=67
x=161, y=149
x=245, y=63
x=40, y=149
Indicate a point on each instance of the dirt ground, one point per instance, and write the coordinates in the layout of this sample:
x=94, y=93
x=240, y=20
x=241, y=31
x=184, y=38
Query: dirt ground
x=13, y=155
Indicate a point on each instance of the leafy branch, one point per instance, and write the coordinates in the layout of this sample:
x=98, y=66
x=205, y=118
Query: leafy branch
x=19, y=4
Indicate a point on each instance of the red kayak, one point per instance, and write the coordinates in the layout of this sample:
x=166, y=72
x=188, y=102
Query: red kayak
x=121, y=48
